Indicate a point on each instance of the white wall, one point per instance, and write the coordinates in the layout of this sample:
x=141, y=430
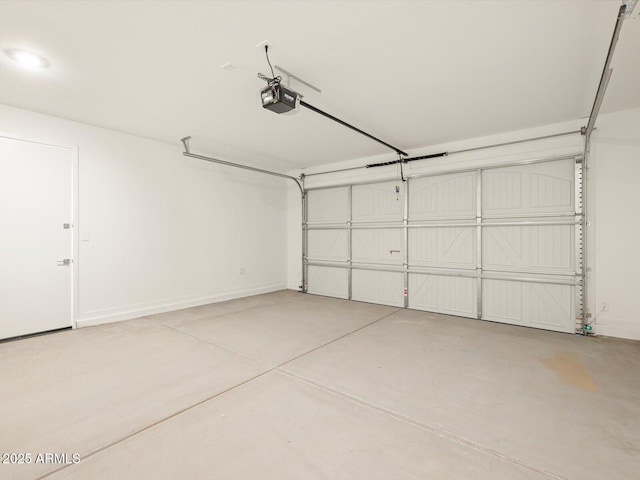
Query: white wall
x=165, y=231
x=614, y=179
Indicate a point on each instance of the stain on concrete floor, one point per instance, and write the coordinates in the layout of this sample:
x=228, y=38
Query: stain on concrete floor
x=570, y=370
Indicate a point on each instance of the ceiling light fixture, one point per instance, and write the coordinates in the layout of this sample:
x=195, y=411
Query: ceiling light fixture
x=28, y=60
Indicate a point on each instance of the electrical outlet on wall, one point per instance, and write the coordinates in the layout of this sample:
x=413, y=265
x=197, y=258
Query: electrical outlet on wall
x=243, y=270
x=605, y=306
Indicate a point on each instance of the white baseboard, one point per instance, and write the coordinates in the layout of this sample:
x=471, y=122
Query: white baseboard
x=617, y=327
x=129, y=313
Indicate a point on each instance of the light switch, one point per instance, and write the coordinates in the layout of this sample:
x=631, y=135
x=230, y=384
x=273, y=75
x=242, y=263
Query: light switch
x=84, y=236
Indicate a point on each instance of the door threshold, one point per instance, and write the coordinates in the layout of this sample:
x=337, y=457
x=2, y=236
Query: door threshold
x=31, y=335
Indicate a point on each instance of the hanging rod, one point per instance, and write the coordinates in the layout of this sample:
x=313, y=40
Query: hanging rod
x=606, y=72
x=442, y=154
x=187, y=153
x=348, y=125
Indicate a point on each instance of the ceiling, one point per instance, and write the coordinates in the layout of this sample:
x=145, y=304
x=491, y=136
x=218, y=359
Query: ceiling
x=414, y=73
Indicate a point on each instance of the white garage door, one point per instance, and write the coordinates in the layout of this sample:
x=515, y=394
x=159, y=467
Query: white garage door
x=497, y=243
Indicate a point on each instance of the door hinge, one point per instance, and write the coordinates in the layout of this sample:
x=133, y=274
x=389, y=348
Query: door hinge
x=64, y=261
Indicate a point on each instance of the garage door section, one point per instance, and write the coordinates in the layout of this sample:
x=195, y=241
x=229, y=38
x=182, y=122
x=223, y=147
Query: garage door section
x=529, y=233
x=442, y=244
x=495, y=243
x=378, y=243
x=328, y=241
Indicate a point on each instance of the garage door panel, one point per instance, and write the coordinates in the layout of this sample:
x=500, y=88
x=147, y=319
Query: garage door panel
x=328, y=281
x=378, y=202
x=385, y=288
x=546, y=187
x=378, y=245
x=443, y=196
x=446, y=247
x=329, y=245
x=539, y=248
x=551, y=192
x=539, y=305
x=443, y=294
x=330, y=205
x=525, y=232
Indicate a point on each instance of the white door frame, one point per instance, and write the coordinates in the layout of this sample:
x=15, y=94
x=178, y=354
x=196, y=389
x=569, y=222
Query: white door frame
x=75, y=231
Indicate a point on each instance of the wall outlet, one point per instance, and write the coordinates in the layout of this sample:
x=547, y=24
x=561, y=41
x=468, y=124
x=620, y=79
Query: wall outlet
x=243, y=270
x=605, y=306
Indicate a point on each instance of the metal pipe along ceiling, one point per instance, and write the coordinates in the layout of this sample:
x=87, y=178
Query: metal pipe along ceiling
x=187, y=153
x=606, y=72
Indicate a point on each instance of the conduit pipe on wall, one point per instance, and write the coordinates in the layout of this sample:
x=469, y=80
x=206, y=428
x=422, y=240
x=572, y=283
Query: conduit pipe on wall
x=298, y=182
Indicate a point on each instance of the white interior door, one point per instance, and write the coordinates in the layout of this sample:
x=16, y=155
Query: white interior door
x=36, y=200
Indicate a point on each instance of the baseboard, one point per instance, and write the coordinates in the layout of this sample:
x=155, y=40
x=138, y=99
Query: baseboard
x=124, y=313
x=615, y=327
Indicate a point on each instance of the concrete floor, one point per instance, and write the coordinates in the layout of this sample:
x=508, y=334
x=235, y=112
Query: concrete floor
x=291, y=386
